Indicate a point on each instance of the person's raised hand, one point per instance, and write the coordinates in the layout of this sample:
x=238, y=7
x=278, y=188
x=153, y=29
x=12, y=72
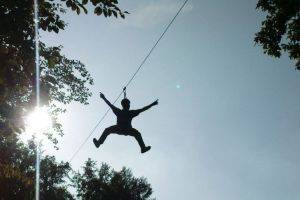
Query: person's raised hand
x=155, y=102
x=102, y=95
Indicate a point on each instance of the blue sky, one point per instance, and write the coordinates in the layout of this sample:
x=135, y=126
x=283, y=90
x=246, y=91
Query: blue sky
x=227, y=124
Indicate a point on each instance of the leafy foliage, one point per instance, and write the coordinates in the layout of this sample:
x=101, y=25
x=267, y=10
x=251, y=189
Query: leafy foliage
x=107, y=184
x=17, y=177
x=282, y=20
x=17, y=172
x=54, y=179
x=62, y=80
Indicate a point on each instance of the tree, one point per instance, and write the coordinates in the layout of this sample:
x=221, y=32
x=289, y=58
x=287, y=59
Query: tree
x=282, y=20
x=17, y=172
x=17, y=177
x=106, y=184
x=62, y=80
x=54, y=179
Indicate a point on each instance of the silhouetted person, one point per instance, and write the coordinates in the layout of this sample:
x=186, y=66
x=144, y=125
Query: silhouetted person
x=123, y=127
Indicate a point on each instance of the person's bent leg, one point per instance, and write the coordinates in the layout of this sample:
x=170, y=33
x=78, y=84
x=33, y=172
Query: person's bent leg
x=106, y=132
x=137, y=135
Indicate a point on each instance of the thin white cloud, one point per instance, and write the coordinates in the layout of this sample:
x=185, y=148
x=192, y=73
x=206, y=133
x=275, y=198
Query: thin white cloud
x=154, y=13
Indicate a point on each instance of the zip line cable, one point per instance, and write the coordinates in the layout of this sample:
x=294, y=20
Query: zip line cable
x=130, y=80
x=156, y=43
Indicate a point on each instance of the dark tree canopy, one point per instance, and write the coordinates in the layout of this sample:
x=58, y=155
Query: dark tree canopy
x=57, y=179
x=17, y=172
x=280, y=31
x=106, y=184
x=62, y=80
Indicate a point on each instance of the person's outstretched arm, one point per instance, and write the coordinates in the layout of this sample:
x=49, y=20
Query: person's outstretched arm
x=147, y=107
x=107, y=102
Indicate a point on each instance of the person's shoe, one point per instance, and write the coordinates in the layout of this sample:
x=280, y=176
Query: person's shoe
x=96, y=142
x=144, y=150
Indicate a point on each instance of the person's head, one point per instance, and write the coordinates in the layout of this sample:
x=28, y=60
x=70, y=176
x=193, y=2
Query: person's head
x=125, y=104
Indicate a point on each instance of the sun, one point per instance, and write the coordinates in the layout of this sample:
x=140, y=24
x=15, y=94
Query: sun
x=39, y=120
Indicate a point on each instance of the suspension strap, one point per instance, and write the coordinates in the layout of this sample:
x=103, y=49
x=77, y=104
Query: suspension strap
x=124, y=90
